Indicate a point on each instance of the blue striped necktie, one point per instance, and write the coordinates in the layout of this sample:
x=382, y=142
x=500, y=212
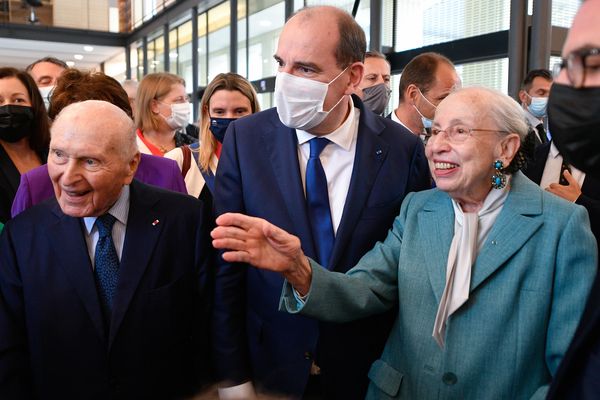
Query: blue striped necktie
x=106, y=264
x=317, y=199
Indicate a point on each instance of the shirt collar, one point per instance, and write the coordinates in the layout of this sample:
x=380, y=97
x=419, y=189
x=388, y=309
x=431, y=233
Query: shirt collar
x=533, y=120
x=396, y=119
x=553, y=150
x=342, y=136
x=119, y=210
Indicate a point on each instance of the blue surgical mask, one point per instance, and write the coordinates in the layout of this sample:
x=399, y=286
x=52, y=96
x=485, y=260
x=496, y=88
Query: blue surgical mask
x=426, y=121
x=218, y=127
x=538, y=106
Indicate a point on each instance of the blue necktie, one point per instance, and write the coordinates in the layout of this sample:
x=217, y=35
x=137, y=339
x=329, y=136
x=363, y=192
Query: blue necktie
x=317, y=199
x=106, y=264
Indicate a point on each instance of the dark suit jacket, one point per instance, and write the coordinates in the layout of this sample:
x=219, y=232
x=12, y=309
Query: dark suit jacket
x=578, y=376
x=258, y=174
x=590, y=191
x=53, y=342
x=36, y=185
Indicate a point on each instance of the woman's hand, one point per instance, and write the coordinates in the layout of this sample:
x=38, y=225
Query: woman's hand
x=256, y=241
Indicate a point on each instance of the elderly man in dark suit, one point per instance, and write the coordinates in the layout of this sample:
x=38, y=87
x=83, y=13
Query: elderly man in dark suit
x=326, y=168
x=101, y=288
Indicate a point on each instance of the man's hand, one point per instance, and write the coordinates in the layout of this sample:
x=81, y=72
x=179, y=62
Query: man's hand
x=570, y=192
x=256, y=241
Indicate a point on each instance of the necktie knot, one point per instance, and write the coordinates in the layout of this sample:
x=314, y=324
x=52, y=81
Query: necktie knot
x=104, y=224
x=317, y=145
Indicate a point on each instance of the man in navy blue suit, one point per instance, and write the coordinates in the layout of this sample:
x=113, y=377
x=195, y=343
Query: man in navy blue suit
x=101, y=287
x=324, y=167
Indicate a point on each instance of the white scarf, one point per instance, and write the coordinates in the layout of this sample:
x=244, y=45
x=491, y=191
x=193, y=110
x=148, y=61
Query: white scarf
x=470, y=232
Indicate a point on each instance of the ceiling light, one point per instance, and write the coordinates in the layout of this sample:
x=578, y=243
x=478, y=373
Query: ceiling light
x=173, y=54
x=71, y=63
x=88, y=48
x=78, y=57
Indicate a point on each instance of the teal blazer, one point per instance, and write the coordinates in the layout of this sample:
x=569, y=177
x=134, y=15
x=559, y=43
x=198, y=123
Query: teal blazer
x=529, y=285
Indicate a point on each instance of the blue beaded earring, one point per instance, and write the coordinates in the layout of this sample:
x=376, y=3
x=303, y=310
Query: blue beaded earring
x=498, y=179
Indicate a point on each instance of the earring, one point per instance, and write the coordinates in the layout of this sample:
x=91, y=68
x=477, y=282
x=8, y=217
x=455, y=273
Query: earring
x=498, y=179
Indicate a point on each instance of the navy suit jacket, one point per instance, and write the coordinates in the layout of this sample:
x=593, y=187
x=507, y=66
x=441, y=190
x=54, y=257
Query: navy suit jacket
x=590, y=190
x=53, y=342
x=258, y=174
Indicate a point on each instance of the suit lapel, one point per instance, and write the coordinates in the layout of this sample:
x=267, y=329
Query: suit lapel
x=513, y=227
x=73, y=257
x=144, y=225
x=371, y=152
x=535, y=170
x=437, y=216
x=281, y=145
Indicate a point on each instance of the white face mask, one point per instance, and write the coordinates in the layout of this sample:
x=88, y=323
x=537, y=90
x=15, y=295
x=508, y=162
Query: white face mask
x=46, y=92
x=180, y=115
x=299, y=101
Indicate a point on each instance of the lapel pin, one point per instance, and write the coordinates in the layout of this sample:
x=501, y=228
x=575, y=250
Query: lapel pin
x=155, y=222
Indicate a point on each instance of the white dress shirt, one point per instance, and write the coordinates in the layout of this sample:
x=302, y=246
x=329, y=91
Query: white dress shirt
x=337, y=159
x=119, y=210
x=553, y=166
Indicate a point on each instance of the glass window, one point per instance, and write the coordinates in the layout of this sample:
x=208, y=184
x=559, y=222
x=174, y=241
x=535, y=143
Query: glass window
x=159, y=54
x=563, y=12
x=115, y=66
x=492, y=74
x=134, y=63
x=425, y=22
x=138, y=12
x=218, y=39
x=242, y=65
x=387, y=23
x=184, y=59
x=173, y=50
x=202, y=49
x=267, y=18
x=140, y=58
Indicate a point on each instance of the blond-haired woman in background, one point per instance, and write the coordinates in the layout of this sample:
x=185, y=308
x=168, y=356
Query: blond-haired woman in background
x=227, y=97
x=162, y=112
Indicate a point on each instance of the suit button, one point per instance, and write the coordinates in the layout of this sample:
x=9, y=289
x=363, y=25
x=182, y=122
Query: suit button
x=449, y=378
x=307, y=355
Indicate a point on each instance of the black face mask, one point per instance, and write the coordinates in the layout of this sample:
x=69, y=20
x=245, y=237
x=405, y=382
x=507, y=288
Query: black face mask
x=574, y=122
x=15, y=122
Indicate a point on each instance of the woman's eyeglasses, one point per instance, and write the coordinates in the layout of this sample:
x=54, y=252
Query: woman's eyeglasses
x=460, y=133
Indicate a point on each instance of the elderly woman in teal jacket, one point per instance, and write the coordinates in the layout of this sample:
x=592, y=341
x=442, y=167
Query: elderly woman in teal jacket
x=490, y=273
